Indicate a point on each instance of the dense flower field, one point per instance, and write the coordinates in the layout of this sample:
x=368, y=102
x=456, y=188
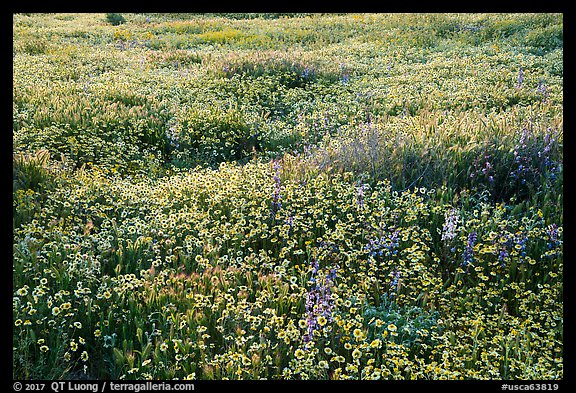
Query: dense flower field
x=327, y=196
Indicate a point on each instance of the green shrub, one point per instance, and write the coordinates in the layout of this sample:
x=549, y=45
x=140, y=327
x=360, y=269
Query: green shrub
x=410, y=225
x=211, y=135
x=410, y=326
x=285, y=72
x=547, y=39
x=115, y=19
x=32, y=45
x=30, y=171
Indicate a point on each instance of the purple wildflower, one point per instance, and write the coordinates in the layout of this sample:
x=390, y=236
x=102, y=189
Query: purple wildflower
x=520, y=78
x=394, y=283
x=360, y=196
x=504, y=244
x=522, y=158
x=385, y=246
x=553, y=233
x=172, y=135
x=319, y=302
x=542, y=90
x=345, y=74
x=469, y=250
x=520, y=240
x=553, y=240
x=307, y=73
x=450, y=224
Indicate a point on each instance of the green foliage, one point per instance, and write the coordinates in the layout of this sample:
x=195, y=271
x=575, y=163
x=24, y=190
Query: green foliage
x=546, y=39
x=288, y=196
x=30, y=171
x=34, y=46
x=285, y=71
x=115, y=19
x=211, y=135
x=409, y=326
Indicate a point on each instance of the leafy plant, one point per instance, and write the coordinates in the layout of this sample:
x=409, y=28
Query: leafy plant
x=31, y=171
x=115, y=19
x=410, y=326
x=211, y=135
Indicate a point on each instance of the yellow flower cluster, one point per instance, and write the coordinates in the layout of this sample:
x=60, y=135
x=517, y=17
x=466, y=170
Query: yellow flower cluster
x=219, y=198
